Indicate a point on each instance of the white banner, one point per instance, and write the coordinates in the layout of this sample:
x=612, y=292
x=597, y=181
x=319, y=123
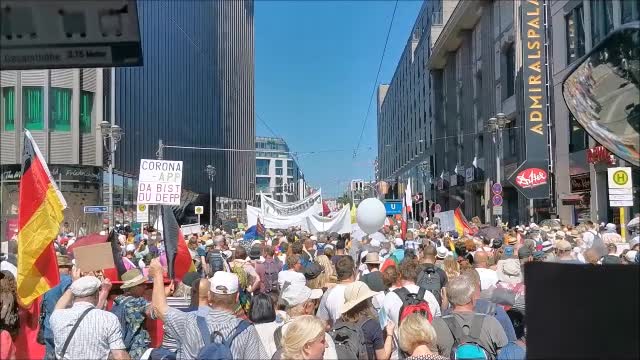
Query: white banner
x=446, y=220
x=310, y=204
x=340, y=222
x=275, y=222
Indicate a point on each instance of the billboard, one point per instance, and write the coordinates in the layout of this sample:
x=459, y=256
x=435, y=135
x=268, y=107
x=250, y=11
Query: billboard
x=531, y=178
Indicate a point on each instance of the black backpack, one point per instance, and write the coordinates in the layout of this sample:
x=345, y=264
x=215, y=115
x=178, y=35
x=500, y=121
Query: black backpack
x=430, y=280
x=216, y=261
x=349, y=340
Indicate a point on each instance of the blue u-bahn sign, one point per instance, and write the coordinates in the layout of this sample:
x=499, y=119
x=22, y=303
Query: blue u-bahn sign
x=393, y=207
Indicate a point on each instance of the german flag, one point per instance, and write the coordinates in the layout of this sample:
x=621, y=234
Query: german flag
x=178, y=257
x=39, y=217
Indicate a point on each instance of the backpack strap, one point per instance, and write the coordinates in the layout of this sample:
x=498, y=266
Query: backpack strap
x=242, y=326
x=204, y=329
x=421, y=293
x=476, y=327
x=402, y=292
x=277, y=336
x=73, y=331
x=455, y=328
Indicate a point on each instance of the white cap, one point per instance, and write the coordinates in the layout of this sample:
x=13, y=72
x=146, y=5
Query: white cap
x=611, y=227
x=85, y=286
x=130, y=247
x=631, y=255
x=398, y=242
x=375, y=243
x=313, y=238
x=297, y=294
x=442, y=252
x=223, y=283
x=208, y=242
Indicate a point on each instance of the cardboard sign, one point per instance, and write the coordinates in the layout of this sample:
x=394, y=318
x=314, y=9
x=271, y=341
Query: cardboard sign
x=94, y=257
x=160, y=182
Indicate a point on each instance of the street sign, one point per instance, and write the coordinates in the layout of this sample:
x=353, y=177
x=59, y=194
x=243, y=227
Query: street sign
x=437, y=208
x=619, y=177
x=160, y=182
x=496, y=188
x=69, y=34
x=96, y=209
x=620, y=186
x=142, y=213
x=496, y=200
x=393, y=207
x=199, y=210
x=497, y=210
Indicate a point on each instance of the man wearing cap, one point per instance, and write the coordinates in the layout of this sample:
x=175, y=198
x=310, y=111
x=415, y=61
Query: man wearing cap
x=300, y=300
x=49, y=301
x=97, y=332
x=563, y=253
x=610, y=234
x=136, y=310
x=223, y=292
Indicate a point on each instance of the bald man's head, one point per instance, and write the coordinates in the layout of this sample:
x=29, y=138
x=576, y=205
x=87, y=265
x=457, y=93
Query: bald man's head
x=481, y=259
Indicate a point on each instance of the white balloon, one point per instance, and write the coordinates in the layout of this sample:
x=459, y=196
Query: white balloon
x=370, y=215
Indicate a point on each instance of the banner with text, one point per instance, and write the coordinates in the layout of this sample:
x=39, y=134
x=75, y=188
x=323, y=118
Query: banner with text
x=160, y=182
x=310, y=204
x=531, y=178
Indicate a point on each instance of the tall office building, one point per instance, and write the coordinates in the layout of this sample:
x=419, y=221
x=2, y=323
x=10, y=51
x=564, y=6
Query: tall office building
x=196, y=89
x=277, y=172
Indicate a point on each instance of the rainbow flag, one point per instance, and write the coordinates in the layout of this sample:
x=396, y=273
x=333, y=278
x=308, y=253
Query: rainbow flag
x=461, y=223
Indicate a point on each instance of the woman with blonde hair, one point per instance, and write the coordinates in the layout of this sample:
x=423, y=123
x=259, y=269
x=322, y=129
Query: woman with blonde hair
x=304, y=338
x=418, y=338
x=451, y=267
x=329, y=274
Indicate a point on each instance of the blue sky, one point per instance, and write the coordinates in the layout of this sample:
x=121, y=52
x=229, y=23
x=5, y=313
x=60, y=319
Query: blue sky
x=316, y=62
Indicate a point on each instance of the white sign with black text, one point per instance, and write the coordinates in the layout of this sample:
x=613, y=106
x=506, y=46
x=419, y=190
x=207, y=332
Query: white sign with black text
x=160, y=182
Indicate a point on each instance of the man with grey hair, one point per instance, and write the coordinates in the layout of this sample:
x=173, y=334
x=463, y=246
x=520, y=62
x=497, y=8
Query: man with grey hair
x=484, y=330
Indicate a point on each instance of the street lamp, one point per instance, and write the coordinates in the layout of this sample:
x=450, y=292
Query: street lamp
x=425, y=171
x=111, y=136
x=496, y=125
x=211, y=173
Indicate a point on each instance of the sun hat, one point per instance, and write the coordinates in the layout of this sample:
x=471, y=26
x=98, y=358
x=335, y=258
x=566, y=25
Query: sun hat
x=560, y=234
x=375, y=243
x=547, y=246
x=563, y=245
x=63, y=261
x=132, y=278
x=208, y=243
x=85, y=286
x=631, y=255
x=255, y=252
x=441, y=252
x=610, y=227
x=223, y=283
x=372, y=258
x=354, y=294
x=633, y=242
x=509, y=271
x=130, y=247
x=524, y=252
x=297, y=294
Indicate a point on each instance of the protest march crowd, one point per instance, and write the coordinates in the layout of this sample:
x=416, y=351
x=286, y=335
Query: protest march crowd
x=288, y=294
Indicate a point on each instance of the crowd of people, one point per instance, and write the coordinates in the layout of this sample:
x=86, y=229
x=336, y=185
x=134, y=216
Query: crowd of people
x=429, y=294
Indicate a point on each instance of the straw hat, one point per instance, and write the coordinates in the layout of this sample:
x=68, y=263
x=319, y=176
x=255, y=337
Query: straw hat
x=132, y=278
x=354, y=294
x=372, y=258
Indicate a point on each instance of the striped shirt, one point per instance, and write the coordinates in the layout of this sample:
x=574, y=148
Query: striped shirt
x=98, y=333
x=183, y=326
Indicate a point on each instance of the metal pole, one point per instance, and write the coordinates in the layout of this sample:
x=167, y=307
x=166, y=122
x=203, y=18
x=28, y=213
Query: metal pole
x=531, y=211
x=112, y=116
x=424, y=197
x=498, y=165
x=210, y=204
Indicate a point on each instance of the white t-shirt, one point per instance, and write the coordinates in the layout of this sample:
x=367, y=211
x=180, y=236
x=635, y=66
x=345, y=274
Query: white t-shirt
x=488, y=278
x=331, y=303
x=291, y=276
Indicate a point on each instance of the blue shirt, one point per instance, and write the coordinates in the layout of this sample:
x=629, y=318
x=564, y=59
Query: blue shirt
x=49, y=300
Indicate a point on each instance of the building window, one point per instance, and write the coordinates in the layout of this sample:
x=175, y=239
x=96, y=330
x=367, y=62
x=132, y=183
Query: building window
x=262, y=184
x=510, y=57
x=601, y=19
x=629, y=11
x=86, y=107
x=60, y=109
x=278, y=171
x=512, y=133
x=8, y=108
x=262, y=166
x=32, y=108
x=578, y=138
x=279, y=163
x=574, y=21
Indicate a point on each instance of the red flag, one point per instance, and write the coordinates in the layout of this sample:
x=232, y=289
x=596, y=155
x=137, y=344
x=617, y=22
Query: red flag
x=325, y=209
x=178, y=257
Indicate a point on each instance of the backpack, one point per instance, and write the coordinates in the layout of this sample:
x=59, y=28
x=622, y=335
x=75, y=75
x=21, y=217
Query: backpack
x=467, y=346
x=349, y=340
x=413, y=303
x=269, y=270
x=244, y=297
x=430, y=280
x=128, y=334
x=221, y=350
x=215, y=261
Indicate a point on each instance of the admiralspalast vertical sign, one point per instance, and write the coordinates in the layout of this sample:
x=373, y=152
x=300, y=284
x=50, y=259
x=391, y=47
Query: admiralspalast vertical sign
x=532, y=176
